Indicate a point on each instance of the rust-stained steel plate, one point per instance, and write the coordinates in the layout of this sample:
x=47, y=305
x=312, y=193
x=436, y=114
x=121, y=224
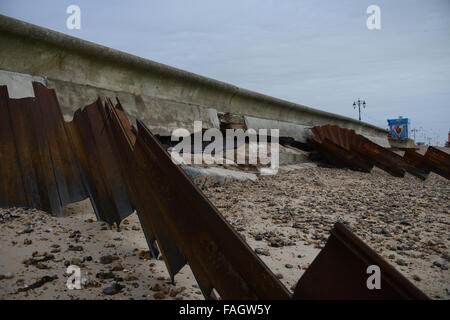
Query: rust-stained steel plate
x=95, y=148
x=382, y=158
x=125, y=139
x=347, y=157
x=59, y=152
x=12, y=190
x=48, y=163
x=362, y=153
x=438, y=161
x=217, y=255
x=391, y=161
x=340, y=272
x=316, y=144
x=418, y=161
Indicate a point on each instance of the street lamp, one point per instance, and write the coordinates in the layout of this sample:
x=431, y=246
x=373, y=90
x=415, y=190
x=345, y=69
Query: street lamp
x=358, y=103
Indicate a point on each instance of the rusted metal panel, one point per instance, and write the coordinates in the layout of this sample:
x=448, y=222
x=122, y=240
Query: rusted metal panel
x=347, y=157
x=59, y=151
x=340, y=272
x=48, y=163
x=42, y=150
x=24, y=141
x=438, y=161
x=217, y=255
x=391, y=159
x=380, y=157
x=335, y=144
x=12, y=190
x=362, y=150
x=417, y=161
x=95, y=149
x=125, y=140
x=316, y=144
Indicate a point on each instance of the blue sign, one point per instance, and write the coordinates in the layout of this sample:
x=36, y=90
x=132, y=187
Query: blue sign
x=399, y=128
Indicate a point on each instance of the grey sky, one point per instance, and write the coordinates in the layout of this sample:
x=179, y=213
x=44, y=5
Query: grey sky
x=316, y=53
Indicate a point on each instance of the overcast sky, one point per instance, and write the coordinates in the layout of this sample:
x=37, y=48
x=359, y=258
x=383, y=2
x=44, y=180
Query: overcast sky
x=316, y=53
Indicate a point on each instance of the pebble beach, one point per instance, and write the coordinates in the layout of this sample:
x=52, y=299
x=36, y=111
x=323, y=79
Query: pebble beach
x=285, y=219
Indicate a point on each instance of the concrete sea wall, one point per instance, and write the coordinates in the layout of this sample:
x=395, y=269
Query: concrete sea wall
x=164, y=97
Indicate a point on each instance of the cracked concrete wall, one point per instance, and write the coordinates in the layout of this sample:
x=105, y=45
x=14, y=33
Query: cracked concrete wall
x=164, y=97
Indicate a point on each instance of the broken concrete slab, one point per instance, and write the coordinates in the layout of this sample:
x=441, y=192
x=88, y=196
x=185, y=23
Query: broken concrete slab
x=216, y=176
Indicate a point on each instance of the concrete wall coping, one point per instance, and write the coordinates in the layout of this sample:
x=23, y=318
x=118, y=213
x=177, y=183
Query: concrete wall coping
x=27, y=30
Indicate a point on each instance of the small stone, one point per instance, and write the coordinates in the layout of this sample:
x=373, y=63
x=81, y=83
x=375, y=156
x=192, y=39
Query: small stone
x=106, y=259
x=105, y=275
x=117, y=267
x=159, y=295
x=113, y=289
x=27, y=242
x=175, y=291
x=41, y=266
x=75, y=248
x=416, y=277
x=75, y=234
x=131, y=278
x=7, y=275
x=401, y=262
x=76, y=262
x=446, y=256
x=275, y=244
x=156, y=287
x=288, y=266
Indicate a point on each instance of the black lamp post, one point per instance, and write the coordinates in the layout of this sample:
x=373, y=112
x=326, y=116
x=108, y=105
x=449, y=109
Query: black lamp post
x=359, y=103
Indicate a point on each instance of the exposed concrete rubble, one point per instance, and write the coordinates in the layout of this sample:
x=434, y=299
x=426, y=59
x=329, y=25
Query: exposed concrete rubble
x=207, y=177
